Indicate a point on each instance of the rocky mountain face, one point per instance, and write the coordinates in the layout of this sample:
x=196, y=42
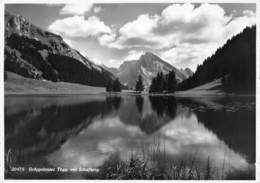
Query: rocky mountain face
x=187, y=71
x=148, y=65
x=35, y=53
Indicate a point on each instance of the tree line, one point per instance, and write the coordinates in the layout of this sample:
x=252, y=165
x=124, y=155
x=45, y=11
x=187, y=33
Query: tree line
x=160, y=83
x=114, y=86
x=164, y=83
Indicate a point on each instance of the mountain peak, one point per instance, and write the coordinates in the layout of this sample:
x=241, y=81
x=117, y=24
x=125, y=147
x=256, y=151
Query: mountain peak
x=18, y=24
x=148, y=65
x=148, y=53
x=149, y=56
x=188, y=69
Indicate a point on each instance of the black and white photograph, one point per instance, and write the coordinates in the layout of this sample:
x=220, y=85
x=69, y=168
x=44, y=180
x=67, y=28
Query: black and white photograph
x=129, y=90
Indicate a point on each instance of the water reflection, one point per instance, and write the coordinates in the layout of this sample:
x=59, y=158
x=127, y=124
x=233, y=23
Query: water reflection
x=164, y=106
x=42, y=127
x=139, y=103
x=85, y=131
x=114, y=102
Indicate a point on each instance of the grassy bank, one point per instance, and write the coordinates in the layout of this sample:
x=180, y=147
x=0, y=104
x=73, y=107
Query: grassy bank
x=16, y=84
x=138, y=167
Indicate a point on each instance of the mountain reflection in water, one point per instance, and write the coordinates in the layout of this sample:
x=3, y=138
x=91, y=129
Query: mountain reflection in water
x=83, y=131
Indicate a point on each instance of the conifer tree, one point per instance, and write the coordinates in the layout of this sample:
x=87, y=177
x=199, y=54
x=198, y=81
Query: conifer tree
x=117, y=85
x=139, y=84
x=109, y=86
x=172, y=82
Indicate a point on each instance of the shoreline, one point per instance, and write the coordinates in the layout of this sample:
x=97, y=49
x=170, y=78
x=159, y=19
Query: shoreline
x=16, y=85
x=178, y=94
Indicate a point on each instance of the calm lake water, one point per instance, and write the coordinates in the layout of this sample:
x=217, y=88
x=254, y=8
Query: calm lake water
x=84, y=131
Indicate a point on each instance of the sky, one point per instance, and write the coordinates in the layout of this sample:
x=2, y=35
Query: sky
x=184, y=35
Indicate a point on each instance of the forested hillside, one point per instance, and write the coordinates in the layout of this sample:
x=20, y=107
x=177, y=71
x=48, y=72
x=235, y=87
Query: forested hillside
x=234, y=62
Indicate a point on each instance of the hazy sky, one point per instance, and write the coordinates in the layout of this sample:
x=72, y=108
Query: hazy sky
x=182, y=34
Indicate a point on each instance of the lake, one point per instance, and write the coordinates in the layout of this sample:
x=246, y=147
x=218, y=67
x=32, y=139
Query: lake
x=210, y=137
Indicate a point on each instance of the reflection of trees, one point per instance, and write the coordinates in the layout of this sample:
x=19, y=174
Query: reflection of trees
x=236, y=129
x=164, y=110
x=164, y=106
x=149, y=121
x=114, y=101
x=44, y=129
x=139, y=103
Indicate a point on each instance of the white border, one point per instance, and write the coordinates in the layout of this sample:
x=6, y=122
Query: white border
x=125, y=1
x=2, y=2
x=2, y=92
x=257, y=92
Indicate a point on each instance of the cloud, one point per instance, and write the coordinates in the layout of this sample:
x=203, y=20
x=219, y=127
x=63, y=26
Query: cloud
x=248, y=13
x=177, y=13
x=188, y=55
x=76, y=8
x=204, y=23
x=113, y=63
x=138, y=33
x=108, y=39
x=78, y=26
x=133, y=55
x=142, y=26
x=97, y=9
x=182, y=34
